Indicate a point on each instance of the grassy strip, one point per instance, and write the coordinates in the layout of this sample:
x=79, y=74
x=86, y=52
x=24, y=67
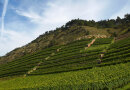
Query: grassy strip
x=109, y=77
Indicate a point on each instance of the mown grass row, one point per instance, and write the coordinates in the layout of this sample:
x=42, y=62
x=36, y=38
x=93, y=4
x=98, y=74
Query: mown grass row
x=98, y=78
x=85, y=59
x=121, y=43
x=30, y=58
x=24, y=64
x=72, y=59
x=118, y=52
x=100, y=41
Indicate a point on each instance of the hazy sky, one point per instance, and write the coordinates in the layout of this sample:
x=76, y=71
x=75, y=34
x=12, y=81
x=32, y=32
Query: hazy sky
x=21, y=21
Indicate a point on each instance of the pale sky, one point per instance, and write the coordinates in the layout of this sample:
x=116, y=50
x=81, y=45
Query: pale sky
x=21, y=21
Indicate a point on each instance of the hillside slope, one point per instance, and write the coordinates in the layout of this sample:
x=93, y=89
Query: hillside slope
x=54, y=38
x=94, y=63
x=80, y=54
x=73, y=30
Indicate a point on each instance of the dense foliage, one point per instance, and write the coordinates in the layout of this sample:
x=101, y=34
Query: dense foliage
x=98, y=78
x=72, y=66
x=116, y=23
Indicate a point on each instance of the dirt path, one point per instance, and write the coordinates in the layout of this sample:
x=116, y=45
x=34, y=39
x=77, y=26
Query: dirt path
x=90, y=44
x=33, y=69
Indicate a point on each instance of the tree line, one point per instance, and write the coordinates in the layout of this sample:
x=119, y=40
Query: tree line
x=110, y=23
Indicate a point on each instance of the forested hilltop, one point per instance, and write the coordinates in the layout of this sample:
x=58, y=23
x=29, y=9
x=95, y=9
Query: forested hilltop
x=73, y=30
x=110, y=23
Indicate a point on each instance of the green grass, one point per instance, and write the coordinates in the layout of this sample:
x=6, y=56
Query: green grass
x=73, y=58
x=100, y=41
x=72, y=67
x=126, y=87
x=97, y=31
x=22, y=65
x=118, y=52
x=110, y=77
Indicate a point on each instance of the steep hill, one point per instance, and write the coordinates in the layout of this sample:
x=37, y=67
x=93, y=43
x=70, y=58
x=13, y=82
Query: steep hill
x=82, y=54
x=95, y=63
x=73, y=30
x=78, y=55
x=54, y=38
